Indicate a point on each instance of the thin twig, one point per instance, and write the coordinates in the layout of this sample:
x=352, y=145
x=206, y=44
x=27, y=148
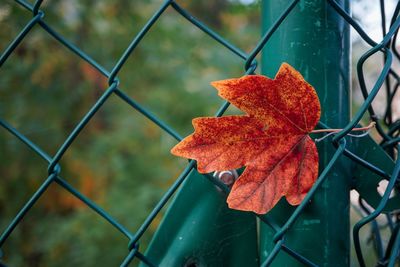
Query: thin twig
x=371, y=125
x=333, y=131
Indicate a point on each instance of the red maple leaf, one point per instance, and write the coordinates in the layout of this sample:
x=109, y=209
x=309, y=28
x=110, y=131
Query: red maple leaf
x=271, y=140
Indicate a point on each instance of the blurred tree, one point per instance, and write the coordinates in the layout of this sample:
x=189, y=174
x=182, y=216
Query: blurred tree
x=121, y=160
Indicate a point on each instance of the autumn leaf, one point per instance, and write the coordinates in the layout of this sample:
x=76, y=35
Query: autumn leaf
x=271, y=140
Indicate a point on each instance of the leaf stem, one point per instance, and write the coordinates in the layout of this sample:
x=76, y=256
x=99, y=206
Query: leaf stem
x=371, y=125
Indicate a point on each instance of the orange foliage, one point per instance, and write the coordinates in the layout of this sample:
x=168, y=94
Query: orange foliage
x=84, y=180
x=271, y=140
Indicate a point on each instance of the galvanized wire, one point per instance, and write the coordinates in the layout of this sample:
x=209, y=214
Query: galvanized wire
x=387, y=127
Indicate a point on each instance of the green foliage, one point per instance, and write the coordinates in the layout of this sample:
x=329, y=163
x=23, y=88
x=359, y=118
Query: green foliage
x=121, y=160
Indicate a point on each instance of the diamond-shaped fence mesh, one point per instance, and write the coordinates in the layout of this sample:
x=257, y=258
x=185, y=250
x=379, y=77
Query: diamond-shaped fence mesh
x=387, y=127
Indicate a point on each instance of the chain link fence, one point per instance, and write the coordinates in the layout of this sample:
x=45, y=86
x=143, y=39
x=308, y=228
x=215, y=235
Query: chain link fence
x=388, y=129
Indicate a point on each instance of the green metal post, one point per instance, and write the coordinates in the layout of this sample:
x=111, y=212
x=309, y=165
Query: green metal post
x=315, y=40
x=199, y=229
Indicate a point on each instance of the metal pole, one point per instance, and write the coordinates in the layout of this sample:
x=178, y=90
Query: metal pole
x=315, y=40
x=199, y=229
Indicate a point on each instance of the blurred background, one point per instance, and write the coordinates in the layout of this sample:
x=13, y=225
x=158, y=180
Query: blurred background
x=121, y=160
